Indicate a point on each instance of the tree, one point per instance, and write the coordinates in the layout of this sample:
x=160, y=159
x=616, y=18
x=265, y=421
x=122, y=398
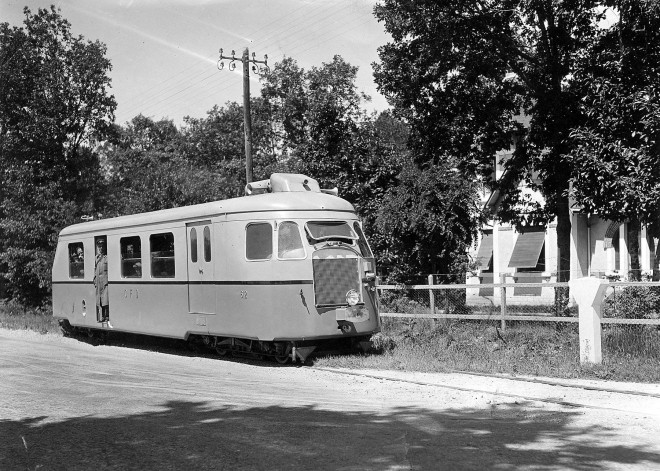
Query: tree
x=53, y=101
x=320, y=129
x=427, y=219
x=316, y=117
x=616, y=148
x=147, y=170
x=461, y=71
x=217, y=143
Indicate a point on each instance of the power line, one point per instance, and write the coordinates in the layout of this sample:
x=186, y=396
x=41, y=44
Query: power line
x=174, y=91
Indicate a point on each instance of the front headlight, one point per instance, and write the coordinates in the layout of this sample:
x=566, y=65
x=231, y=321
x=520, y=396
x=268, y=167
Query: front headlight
x=352, y=297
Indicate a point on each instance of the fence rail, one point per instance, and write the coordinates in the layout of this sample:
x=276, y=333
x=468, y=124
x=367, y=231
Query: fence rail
x=453, y=301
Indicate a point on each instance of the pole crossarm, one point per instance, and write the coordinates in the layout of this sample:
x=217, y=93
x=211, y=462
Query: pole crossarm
x=256, y=68
x=259, y=70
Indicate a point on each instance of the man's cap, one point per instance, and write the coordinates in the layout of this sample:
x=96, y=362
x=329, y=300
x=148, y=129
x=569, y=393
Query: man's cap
x=100, y=242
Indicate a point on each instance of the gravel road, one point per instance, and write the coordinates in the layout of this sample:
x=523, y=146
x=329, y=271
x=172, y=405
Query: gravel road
x=67, y=404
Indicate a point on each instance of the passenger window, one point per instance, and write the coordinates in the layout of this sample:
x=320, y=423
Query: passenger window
x=207, y=244
x=289, y=242
x=76, y=260
x=259, y=241
x=131, y=257
x=362, y=241
x=162, y=255
x=193, y=245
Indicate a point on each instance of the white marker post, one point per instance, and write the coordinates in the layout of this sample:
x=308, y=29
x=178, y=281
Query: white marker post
x=589, y=294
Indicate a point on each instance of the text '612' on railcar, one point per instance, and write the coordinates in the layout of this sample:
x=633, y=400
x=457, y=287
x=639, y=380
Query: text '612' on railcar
x=279, y=272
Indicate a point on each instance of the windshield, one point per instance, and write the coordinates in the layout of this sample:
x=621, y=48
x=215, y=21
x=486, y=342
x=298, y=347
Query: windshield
x=330, y=230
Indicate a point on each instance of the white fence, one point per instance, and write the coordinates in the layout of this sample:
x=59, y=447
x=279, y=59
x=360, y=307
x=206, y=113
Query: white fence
x=611, y=303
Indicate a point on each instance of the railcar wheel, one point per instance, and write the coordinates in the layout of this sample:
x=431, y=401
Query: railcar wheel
x=283, y=360
x=223, y=352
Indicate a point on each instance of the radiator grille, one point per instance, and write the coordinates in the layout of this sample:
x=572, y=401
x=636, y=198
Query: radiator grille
x=333, y=278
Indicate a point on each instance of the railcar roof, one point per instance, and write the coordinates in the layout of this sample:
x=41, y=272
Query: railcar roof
x=286, y=201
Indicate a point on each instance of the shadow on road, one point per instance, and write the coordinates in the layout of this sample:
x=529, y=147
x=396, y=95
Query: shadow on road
x=180, y=347
x=193, y=435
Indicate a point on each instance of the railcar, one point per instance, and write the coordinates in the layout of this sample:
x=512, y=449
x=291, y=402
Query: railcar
x=279, y=272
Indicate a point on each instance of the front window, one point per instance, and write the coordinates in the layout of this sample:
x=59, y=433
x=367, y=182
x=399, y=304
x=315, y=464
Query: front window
x=318, y=231
x=362, y=241
x=259, y=241
x=289, y=242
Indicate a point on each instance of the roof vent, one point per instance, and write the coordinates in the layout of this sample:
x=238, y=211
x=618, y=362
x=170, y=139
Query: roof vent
x=286, y=182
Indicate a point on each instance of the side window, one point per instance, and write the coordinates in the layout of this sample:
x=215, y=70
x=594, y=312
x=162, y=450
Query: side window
x=362, y=241
x=162, y=255
x=207, y=244
x=193, y=245
x=289, y=242
x=131, y=257
x=259, y=241
x=76, y=260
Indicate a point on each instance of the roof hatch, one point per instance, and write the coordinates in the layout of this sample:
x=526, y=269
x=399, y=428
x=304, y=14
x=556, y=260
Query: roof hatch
x=286, y=182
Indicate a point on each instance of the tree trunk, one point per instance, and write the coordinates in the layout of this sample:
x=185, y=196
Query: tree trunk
x=633, y=249
x=563, y=254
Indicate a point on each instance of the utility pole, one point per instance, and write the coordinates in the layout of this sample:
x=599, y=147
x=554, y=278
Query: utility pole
x=247, y=119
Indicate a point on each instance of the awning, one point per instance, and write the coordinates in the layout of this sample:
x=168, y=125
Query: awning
x=527, y=249
x=485, y=253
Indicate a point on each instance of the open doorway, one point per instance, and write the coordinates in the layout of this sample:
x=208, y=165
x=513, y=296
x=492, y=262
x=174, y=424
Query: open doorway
x=101, y=279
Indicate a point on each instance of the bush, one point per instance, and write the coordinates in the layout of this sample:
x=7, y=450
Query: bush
x=633, y=302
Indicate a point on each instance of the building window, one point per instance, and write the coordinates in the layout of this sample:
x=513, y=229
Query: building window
x=289, y=242
x=131, y=257
x=76, y=260
x=259, y=241
x=162, y=255
x=528, y=249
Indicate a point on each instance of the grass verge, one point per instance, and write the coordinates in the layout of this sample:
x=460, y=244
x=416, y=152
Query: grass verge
x=16, y=317
x=524, y=348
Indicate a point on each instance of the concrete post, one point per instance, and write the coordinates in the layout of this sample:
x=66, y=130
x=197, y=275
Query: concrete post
x=589, y=294
x=432, y=302
x=502, y=301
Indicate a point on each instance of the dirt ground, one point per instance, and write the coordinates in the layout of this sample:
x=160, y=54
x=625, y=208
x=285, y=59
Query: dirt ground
x=68, y=404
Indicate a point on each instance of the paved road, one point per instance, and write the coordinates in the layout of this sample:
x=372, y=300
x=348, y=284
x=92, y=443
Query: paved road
x=66, y=404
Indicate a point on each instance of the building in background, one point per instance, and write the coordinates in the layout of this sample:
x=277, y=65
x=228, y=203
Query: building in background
x=599, y=248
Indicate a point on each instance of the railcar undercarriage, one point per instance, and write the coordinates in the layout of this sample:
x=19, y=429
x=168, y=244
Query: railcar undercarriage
x=281, y=351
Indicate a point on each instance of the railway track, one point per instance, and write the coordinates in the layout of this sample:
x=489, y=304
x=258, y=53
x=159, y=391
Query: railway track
x=621, y=396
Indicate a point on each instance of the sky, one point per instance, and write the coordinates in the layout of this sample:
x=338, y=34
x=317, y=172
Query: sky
x=164, y=53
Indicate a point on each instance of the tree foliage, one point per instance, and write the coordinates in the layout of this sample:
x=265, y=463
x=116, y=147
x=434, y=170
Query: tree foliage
x=321, y=129
x=62, y=157
x=461, y=72
x=425, y=218
x=53, y=99
x=616, y=149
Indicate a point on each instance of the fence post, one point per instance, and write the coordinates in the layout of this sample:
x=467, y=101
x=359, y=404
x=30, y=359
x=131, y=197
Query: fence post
x=432, y=301
x=589, y=293
x=503, y=301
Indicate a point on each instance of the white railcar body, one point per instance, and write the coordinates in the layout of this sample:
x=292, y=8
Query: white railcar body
x=220, y=271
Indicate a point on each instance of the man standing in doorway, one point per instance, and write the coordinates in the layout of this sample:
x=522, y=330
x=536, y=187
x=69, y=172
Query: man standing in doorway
x=101, y=281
